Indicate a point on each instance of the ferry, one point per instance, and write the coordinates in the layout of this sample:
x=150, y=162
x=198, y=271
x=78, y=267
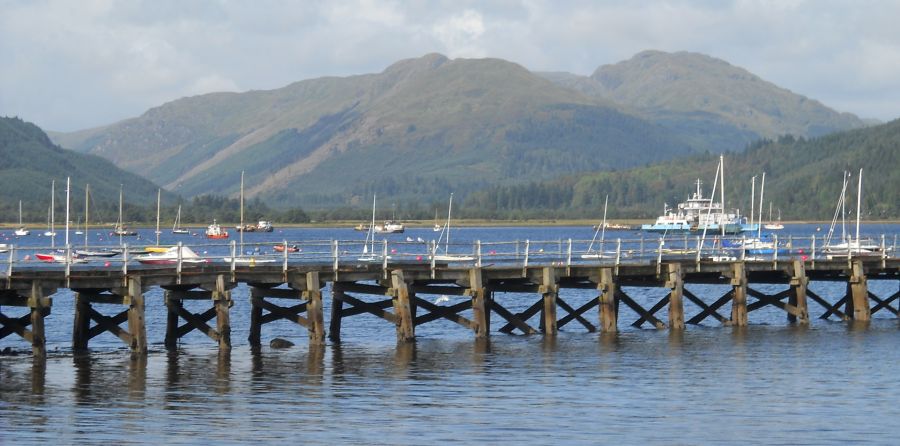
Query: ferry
x=697, y=214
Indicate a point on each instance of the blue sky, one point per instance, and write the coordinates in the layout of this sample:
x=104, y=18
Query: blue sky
x=69, y=65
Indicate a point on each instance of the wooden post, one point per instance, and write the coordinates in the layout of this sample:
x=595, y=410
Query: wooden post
x=608, y=315
x=406, y=329
x=82, y=323
x=314, y=308
x=797, y=298
x=255, y=317
x=172, y=304
x=739, y=300
x=675, y=283
x=136, y=325
x=549, y=291
x=480, y=311
x=859, y=292
x=36, y=304
x=222, y=302
x=337, y=306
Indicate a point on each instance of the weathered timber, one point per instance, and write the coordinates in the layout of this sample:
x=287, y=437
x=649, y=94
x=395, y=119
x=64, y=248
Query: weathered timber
x=799, y=283
x=481, y=310
x=675, y=283
x=739, y=295
x=406, y=325
x=607, y=300
x=549, y=292
x=858, y=304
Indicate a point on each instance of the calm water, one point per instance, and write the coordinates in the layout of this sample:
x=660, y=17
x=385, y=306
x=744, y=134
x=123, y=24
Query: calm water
x=769, y=383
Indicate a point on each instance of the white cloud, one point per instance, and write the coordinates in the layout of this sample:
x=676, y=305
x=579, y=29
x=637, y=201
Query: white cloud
x=70, y=65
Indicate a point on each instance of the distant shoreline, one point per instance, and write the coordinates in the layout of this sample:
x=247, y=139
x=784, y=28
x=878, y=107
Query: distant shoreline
x=416, y=224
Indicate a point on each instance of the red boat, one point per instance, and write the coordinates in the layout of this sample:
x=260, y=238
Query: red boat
x=215, y=231
x=291, y=248
x=58, y=258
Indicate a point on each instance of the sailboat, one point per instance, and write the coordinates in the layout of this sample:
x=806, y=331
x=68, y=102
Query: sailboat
x=241, y=258
x=437, y=226
x=121, y=230
x=600, y=230
x=445, y=236
x=176, y=228
x=50, y=215
x=772, y=225
x=87, y=252
x=368, y=254
x=62, y=258
x=848, y=246
x=22, y=231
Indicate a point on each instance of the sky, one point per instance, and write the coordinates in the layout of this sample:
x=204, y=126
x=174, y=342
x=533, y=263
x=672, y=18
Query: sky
x=71, y=65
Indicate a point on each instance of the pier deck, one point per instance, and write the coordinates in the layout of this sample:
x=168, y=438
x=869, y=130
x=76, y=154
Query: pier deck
x=292, y=289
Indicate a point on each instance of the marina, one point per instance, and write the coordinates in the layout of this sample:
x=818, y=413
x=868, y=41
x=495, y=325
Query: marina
x=297, y=282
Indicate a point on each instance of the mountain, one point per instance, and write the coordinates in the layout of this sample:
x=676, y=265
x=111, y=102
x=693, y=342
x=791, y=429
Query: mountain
x=420, y=129
x=717, y=105
x=29, y=161
x=427, y=126
x=803, y=180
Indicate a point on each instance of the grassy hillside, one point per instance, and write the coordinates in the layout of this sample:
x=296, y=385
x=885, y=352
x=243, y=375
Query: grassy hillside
x=420, y=128
x=716, y=105
x=29, y=161
x=803, y=179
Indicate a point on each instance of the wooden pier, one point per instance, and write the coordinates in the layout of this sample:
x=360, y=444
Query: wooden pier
x=112, y=300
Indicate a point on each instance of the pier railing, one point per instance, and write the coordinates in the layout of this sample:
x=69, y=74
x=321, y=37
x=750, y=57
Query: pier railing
x=522, y=253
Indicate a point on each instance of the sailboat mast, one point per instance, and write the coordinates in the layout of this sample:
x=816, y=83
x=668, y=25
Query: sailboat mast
x=752, y=199
x=858, y=206
x=603, y=225
x=843, y=207
x=20, y=213
x=242, y=212
x=52, y=214
x=87, y=193
x=158, y=197
x=449, y=209
x=762, y=192
x=68, y=183
x=722, y=193
x=120, y=227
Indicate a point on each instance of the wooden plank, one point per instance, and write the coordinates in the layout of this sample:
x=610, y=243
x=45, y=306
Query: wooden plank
x=739, y=294
x=884, y=304
x=337, y=306
x=353, y=287
x=256, y=294
x=765, y=299
x=136, y=324
x=675, y=283
x=171, y=340
x=222, y=303
x=549, y=292
x=353, y=311
x=480, y=309
x=658, y=306
x=314, y=311
x=81, y=322
x=831, y=309
x=9, y=325
x=574, y=314
x=439, y=289
x=450, y=313
x=799, y=284
x=191, y=294
x=513, y=319
x=36, y=303
x=645, y=315
x=708, y=310
x=197, y=322
x=370, y=308
x=406, y=327
x=109, y=324
x=859, y=292
x=277, y=312
x=522, y=317
x=607, y=301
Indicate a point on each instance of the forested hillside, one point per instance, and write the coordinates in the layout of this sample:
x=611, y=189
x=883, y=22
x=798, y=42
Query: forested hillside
x=803, y=180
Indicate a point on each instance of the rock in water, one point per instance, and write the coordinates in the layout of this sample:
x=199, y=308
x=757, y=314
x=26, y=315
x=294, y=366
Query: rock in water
x=280, y=343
